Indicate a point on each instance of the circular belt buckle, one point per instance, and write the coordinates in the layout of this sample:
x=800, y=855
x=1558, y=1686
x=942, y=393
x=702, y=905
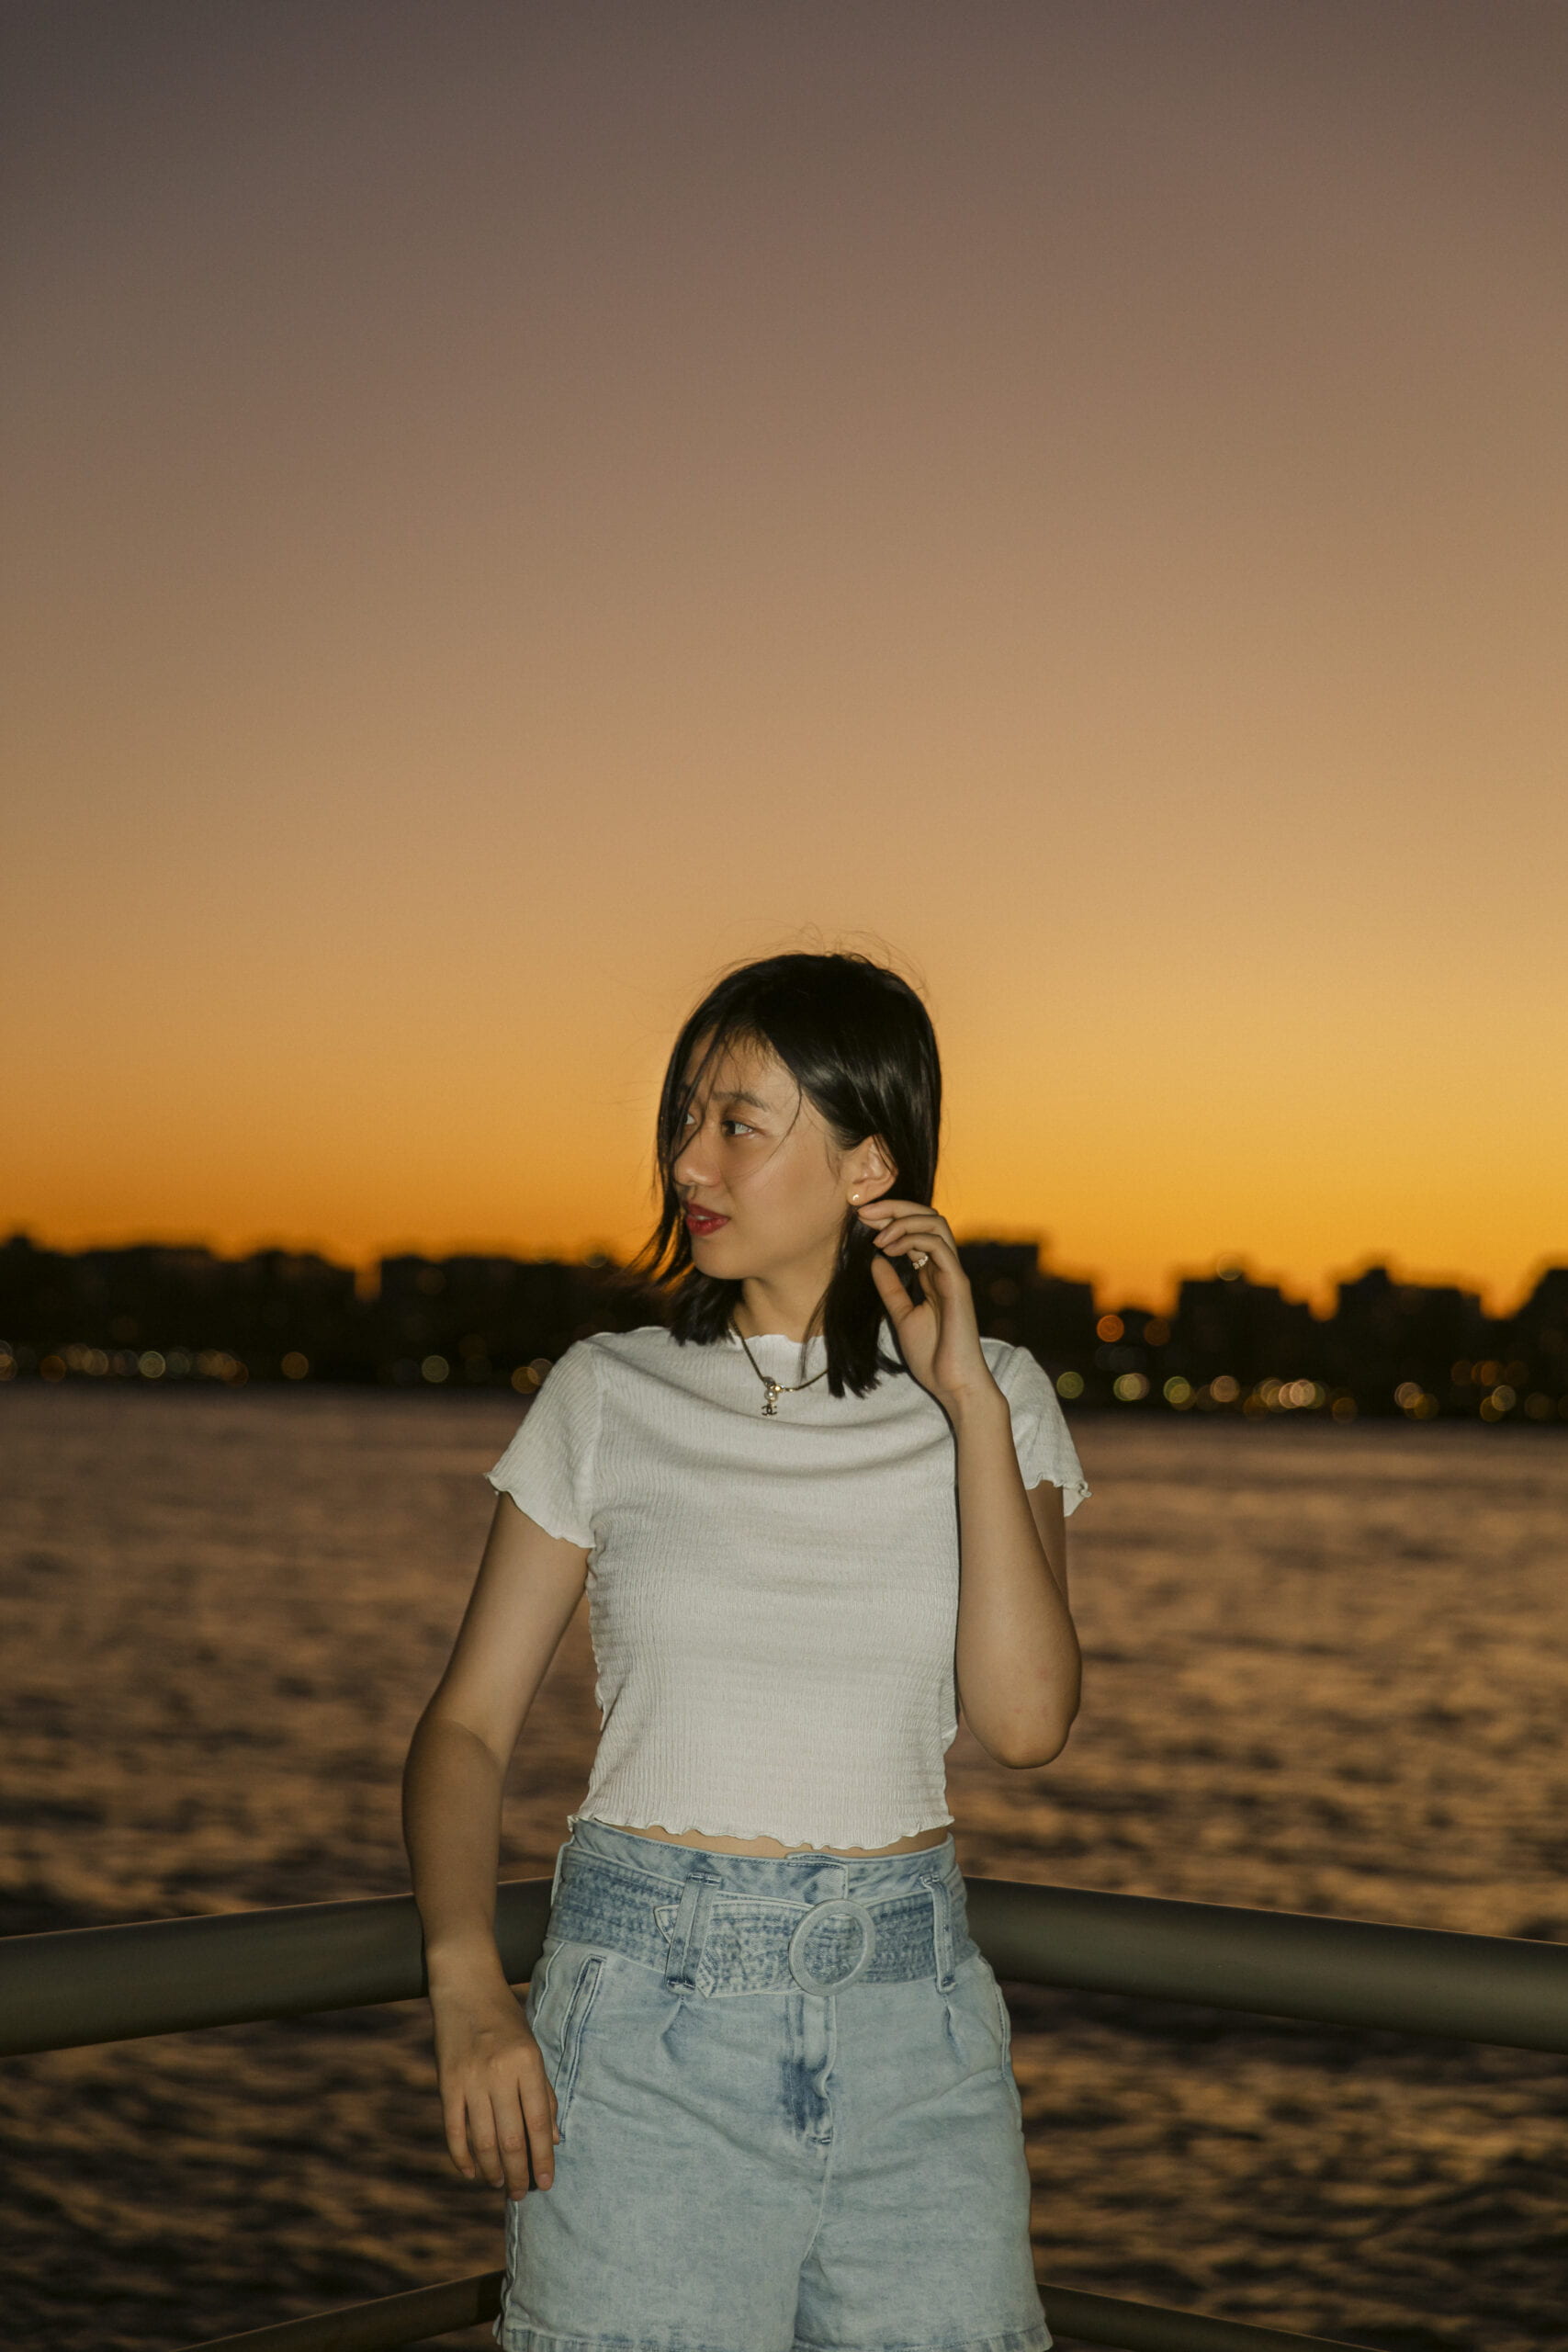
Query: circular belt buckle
x=797, y=1966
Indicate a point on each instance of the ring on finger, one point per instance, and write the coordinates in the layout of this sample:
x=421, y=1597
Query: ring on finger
x=917, y=1258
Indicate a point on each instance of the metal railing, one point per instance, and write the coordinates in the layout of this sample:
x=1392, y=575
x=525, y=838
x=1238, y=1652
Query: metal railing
x=91, y=1985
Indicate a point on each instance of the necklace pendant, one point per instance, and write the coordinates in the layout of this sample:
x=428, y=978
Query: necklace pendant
x=771, y=1402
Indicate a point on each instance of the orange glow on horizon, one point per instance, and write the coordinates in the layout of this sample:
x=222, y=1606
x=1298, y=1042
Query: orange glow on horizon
x=1077, y=508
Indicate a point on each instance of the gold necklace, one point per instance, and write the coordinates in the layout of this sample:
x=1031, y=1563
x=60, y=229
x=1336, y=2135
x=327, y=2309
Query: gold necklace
x=772, y=1389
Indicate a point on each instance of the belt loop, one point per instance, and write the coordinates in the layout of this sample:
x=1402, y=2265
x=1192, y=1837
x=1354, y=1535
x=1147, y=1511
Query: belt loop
x=941, y=1931
x=689, y=1932
x=555, y=1883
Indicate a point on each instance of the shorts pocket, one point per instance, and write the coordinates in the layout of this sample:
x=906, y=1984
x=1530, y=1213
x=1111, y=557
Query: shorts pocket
x=533, y=1998
x=573, y=1991
x=1004, y=2027
x=1004, y=2017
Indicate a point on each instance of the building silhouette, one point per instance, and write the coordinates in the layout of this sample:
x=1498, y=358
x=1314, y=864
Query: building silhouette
x=156, y=1312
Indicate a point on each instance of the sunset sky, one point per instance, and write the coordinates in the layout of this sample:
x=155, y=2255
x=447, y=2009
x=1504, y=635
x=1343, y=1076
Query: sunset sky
x=514, y=508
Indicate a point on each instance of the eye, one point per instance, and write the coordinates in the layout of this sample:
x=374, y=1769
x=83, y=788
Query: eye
x=689, y=1122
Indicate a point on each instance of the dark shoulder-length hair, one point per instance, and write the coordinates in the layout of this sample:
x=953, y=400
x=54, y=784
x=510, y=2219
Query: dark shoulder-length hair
x=860, y=1045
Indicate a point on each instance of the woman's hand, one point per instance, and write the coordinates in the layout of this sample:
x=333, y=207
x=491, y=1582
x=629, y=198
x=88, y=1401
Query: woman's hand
x=497, y=2100
x=937, y=1335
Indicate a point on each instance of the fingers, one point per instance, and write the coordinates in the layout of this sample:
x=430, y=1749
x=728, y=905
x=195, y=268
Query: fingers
x=883, y=1216
x=917, y=1229
x=895, y=1298
x=456, y=2117
x=502, y=2143
x=484, y=2140
x=880, y=1211
x=538, y=2102
x=900, y=1302
x=504, y=2127
x=515, y=2144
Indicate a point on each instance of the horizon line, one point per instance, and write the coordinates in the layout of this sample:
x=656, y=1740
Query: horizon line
x=601, y=1252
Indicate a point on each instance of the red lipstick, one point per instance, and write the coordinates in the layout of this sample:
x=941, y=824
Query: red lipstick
x=703, y=1221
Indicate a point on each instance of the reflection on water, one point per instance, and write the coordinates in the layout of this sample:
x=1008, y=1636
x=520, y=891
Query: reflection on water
x=1327, y=1670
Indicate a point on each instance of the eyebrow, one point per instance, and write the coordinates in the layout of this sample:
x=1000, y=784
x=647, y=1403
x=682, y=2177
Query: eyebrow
x=738, y=1094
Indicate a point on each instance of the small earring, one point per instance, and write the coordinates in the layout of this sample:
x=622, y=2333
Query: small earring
x=854, y=1197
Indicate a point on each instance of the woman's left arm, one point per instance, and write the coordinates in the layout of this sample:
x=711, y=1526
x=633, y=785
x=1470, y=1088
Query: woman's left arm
x=1017, y=1664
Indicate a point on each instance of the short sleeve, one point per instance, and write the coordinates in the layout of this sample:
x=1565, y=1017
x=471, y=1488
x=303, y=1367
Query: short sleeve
x=1044, y=1449
x=548, y=1469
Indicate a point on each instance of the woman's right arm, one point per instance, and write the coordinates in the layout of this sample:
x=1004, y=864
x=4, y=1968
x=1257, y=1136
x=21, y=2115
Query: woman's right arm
x=497, y=2102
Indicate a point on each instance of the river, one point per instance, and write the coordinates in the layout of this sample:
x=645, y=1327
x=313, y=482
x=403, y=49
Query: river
x=1326, y=1670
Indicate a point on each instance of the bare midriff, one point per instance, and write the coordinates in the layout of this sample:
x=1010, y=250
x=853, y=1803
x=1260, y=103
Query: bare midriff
x=911, y=1845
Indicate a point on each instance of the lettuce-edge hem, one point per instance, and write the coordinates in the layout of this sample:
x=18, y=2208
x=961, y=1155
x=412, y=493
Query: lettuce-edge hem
x=802, y=1838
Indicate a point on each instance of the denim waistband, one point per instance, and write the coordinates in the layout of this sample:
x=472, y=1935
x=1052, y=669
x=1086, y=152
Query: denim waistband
x=808, y=1922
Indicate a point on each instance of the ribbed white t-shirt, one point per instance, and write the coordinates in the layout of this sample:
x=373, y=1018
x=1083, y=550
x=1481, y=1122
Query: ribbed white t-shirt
x=772, y=1602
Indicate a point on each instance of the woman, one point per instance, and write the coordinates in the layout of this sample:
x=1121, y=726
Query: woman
x=763, y=2072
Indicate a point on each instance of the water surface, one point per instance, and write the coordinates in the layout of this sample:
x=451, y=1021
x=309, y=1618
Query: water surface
x=1327, y=1670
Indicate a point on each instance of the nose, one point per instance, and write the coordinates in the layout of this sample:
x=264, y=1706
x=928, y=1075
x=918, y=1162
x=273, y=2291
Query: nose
x=693, y=1165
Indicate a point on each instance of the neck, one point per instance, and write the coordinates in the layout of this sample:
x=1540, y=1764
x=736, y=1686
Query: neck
x=790, y=1303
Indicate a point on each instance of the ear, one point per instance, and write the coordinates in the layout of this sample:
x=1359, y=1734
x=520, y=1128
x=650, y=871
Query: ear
x=870, y=1172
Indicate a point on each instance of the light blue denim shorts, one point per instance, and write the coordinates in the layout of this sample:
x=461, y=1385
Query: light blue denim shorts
x=788, y=2116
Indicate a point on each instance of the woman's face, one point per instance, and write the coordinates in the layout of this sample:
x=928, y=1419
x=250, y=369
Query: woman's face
x=759, y=1156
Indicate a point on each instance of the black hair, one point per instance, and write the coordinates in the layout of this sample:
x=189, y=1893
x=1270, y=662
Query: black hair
x=859, y=1043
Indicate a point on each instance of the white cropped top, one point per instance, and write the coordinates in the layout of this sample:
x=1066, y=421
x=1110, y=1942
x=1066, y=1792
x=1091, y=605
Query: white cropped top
x=772, y=1602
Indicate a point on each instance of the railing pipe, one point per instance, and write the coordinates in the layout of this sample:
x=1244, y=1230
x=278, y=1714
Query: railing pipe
x=391, y=2320
x=82, y=1984
x=425, y=2312
x=1150, y=2327
x=93, y=1984
x=89, y=1984
x=1321, y=1971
